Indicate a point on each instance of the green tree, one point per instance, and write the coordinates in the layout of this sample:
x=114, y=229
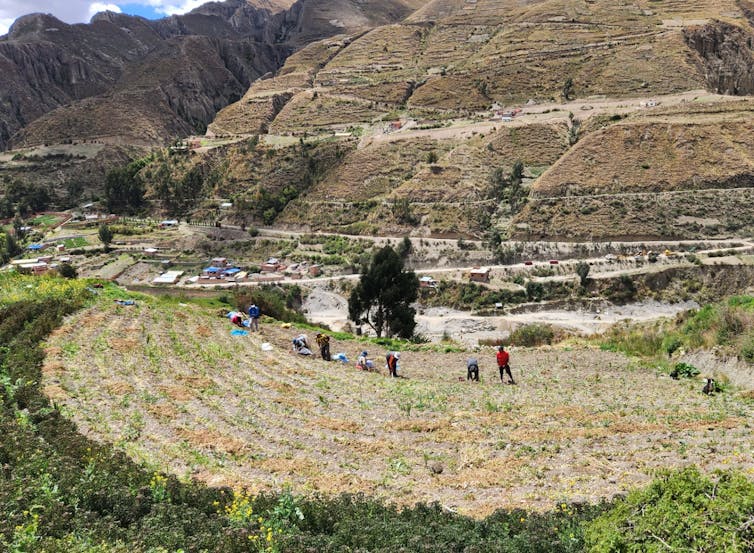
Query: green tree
x=105, y=234
x=66, y=270
x=8, y=247
x=567, y=89
x=431, y=157
x=124, y=190
x=582, y=269
x=382, y=298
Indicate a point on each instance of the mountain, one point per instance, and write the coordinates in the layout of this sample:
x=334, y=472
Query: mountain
x=585, y=75
x=410, y=116
x=127, y=79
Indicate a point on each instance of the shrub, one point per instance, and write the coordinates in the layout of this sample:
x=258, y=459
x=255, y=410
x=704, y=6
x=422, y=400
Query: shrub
x=532, y=335
x=684, y=370
x=679, y=511
x=66, y=270
x=278, y=302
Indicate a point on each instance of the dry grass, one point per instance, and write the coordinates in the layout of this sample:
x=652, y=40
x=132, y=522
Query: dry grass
x=581, y=424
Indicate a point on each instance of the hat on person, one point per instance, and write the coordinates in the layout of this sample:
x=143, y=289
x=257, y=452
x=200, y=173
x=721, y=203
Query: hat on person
x=364, y=353
x=397, y=354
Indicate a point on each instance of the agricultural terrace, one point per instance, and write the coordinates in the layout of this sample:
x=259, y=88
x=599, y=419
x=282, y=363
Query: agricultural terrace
x=168, y=383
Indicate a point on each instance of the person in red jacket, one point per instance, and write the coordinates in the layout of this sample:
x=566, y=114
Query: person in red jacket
x=502, y=363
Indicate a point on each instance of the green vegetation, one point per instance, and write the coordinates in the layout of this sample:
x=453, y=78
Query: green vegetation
x=383, y=297
x=78, y=242
x=45, y=220
x=279, y=302
x=8, y=247
x=105, y=236
x=23, y=198
x=61, y=492
x=582, y=269
x=532, y=335
x=729, y=324
x=680, y=511
x=124, y=189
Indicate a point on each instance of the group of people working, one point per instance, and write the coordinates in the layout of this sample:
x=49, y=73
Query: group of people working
x=503, y=365
x=239, y=319
x=301, y=346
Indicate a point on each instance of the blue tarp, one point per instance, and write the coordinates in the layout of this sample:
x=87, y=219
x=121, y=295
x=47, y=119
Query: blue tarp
x=212, y=270
x=238, y=332
x=34, y=247
x=232, y=271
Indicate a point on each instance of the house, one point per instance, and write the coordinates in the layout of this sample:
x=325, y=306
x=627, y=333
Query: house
x=150, y=252
x=219, y=262
x=60, y=247
x=212, y=272
x=480, y=274
x=168, y=277
x=271, y=265
x=232, y=272
x=169, y=223
x=427, y=282
x=37, y=268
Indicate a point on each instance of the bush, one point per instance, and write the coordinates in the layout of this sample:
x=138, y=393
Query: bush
x=66, y=270
x=684, y=370
x=680, y=511
x=278, y=302
x=532, y=335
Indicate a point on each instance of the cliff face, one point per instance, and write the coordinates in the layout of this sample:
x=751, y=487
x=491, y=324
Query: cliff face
x=191, y=65
x=726, y=52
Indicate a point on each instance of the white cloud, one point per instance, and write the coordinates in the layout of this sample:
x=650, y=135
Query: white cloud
x=170, y=8
x=80, y=11
x=5, y=23
x=96, y=7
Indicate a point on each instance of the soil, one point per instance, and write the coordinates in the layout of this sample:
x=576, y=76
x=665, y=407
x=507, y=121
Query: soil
x=580, y=425
x=436, y=323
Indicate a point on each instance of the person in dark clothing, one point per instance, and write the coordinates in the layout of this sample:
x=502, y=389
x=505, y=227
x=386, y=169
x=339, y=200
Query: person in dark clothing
x=503, y=359
x=392, y=363
x=323, y=341
x=254, y=313
x=472, y=369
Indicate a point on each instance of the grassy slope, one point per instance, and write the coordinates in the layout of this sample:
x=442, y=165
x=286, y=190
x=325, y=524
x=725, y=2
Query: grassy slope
x=171, y=386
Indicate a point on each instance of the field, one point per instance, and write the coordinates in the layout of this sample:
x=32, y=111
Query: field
x=167, y=383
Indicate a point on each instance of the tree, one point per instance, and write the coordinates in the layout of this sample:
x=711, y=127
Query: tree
x=582, y=269
x=124, y=190
x=105, y=234
x=66, y=270
x=567, y=89
x=382, y=298
x=431, y=157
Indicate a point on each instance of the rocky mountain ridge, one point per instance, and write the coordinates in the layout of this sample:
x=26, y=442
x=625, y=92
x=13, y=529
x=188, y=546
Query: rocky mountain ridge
x=187, y=66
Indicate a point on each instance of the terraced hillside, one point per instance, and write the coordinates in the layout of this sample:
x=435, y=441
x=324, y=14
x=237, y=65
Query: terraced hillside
x=168, y=383
x=667, y=173
x=466, y=55
x=418, y=95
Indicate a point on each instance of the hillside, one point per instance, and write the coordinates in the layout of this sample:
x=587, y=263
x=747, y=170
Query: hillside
x=118, y=62
x=168, y=384
x=423, y=87
x=668, y=173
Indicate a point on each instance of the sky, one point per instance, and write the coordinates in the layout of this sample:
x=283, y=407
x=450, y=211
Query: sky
x=80, y=11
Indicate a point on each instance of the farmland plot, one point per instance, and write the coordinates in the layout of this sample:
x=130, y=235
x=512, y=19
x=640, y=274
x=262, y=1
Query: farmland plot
x=173, y=388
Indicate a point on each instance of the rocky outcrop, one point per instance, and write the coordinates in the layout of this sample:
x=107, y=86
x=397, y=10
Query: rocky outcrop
x=194, y=64
x=726, y=53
